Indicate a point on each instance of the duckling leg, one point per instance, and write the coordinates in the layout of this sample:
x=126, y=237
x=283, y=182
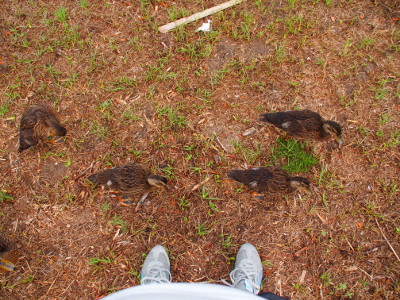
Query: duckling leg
x=124, y=200
x=258, y=196
x=6, y=265
x=56, y=140
x=141, y=201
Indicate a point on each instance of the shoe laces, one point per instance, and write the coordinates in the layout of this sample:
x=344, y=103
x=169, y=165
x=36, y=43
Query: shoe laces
x=157, y=273
x=246, y=271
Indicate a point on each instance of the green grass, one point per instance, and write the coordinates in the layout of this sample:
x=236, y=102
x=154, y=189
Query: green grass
x=381, y=90
x=294, y=24
x=120, y=83
x=205, y=194
x=281, y=52
x=196, y=49
x=4, y=196
x=28, y=278
x=202, y=229
x=183, y=203
x=213, y=208
x=393, y=141
x=131, y=114
x=62, y=14
x=105, y=107
x=99, y=263
x=174, y=121
x=99, y=130
x=119, y=223
x=366, y=42
x=226, y=241
x=294, y=156
x=176, y=13
x=83, y=4
x=259, y=4
x=5, y=108
x=169, y=171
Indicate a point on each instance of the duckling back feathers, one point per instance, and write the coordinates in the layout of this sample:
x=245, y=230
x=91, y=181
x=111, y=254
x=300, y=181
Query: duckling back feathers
x=131, y=178
x=37, y=123
x=266, y=180
x=304, y=124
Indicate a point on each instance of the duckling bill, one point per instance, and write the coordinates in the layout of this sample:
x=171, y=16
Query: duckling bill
x=304, y=124
x=131, y=180
x=271, y=180
x=39, y=122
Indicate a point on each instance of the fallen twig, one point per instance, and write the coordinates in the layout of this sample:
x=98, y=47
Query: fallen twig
x=297, y=253
x=372, y=278
x=321, y=218
x=167, y=27
x=219, y=142
x=200, y=184
x=387, y=241
x=303, y=275
x=85, y=171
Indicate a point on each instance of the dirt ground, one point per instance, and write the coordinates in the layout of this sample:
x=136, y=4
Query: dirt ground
x=181, y=103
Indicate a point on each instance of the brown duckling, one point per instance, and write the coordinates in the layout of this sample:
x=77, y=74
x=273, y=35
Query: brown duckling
x=39, y=122
x=130, y=180
x=304, y=124
x=8, y=255
x=271, y=180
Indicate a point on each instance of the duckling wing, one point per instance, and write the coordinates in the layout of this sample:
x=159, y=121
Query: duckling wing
x=276, y=119
x=255, y=178
x=51, y=119
x=132, y=178
x=108, y=177
x=295, y=122
x=26, y=139
x=303, y=124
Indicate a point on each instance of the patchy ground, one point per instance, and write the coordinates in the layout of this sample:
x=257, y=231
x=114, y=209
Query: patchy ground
x=186, y=104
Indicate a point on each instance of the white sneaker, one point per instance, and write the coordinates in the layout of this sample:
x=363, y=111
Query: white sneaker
x=156, y=267
x=248, y=271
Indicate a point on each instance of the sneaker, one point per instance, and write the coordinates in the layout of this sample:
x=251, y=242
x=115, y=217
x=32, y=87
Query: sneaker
x=156, y=267
x=248, y=271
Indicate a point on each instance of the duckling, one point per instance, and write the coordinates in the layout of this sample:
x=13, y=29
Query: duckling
x=304, y=124
x=131, y=180
x=8, y=255
x=39, y=122
x=271, y=180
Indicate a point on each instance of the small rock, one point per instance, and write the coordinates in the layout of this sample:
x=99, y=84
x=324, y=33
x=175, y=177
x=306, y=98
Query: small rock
x=249, y=131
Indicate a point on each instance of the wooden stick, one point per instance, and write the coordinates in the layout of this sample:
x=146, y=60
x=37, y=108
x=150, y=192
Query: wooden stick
x=387, y=241
x=200, y=184
x=167, y=27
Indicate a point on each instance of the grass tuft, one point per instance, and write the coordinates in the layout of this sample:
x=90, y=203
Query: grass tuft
x=296, y=159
